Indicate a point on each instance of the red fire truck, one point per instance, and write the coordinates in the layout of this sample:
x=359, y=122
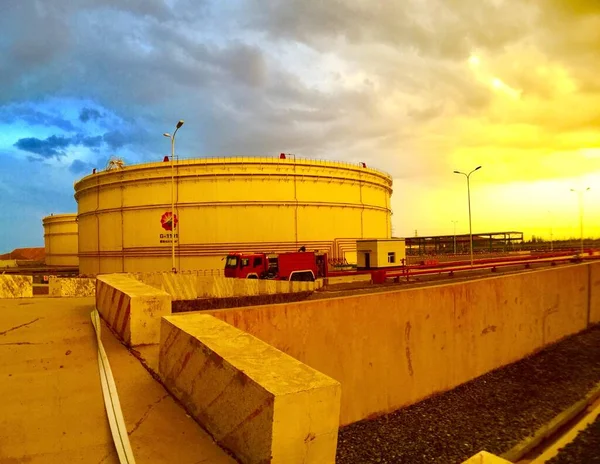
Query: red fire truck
x=301, y=265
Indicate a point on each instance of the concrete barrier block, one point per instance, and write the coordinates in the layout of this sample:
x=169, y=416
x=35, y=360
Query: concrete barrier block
x=191, y=285
x=251, y=287
x=16, y=286
x=256, y=401
x=284, y=286
x=71, y=287
x=238, y=287
x=303, y=286
x=204, y=286
x=182, y=286
x=270, y=287
x=486, y=458
x=132, y=308
x=262, y=287
x=222, y=287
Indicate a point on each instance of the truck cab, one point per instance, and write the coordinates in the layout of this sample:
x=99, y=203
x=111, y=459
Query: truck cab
x=246, y=266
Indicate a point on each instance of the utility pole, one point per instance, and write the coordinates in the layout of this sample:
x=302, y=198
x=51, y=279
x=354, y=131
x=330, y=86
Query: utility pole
x=469, y=201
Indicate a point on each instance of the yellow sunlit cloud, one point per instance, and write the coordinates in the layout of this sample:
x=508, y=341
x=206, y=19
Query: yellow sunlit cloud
x=474, y=61
x=536, y=136
x=494, y=82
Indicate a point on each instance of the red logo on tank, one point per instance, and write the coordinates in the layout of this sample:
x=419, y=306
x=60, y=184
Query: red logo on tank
x=167, y=220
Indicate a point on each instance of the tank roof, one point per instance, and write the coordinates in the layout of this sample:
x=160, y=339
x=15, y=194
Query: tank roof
x=60, y=216
x=243, y=160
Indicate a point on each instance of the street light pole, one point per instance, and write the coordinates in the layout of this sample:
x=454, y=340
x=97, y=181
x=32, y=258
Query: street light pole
x=469, y=200
x=580, y=194
x=454, y=222
x=283, y=156
x=172, y=137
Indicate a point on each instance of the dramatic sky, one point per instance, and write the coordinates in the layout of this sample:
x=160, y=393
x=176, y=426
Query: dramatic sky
x=415, y=88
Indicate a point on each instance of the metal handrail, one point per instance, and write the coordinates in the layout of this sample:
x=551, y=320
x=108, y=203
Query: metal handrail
x=408, y=271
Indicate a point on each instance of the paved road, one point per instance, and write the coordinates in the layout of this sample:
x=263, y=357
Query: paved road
x=51, y=404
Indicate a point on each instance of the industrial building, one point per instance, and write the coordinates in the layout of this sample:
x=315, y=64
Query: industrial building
x=61, y=240
x=245, y=204
x=449, y=244
x=380, y=253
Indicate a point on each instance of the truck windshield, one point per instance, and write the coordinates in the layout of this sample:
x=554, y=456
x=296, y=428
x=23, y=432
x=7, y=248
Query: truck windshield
x=232, y=261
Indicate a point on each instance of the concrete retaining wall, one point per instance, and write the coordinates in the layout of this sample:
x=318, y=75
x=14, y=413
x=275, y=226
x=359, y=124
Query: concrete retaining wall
x=16, y=286
x=131, y=308
x=71, y=287
x=256, y=401
x=392, y=349
x=190, y=285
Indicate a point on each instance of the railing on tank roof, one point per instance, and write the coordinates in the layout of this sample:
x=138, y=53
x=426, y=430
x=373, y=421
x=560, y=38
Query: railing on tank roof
x=276, y=160
x=255, y=160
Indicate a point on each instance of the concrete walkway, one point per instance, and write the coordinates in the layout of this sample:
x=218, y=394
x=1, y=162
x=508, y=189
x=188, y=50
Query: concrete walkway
x=51, y=404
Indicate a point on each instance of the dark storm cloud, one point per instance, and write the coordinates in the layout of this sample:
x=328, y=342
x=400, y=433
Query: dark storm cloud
x=10, y=114
x=51, y=147
x=115, y=139
x=88, y=140
x=156, y=74
x=55, y=145
x=227, y=76
x=87, y=114
x=441, y=28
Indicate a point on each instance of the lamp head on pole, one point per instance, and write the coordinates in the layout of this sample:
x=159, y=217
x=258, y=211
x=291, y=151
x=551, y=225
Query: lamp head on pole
x=180, y=123
x=457, y=172
x=166, y=134
x=478, y=167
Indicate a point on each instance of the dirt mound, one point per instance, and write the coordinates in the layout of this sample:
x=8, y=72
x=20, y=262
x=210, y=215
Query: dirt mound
x=33, y=254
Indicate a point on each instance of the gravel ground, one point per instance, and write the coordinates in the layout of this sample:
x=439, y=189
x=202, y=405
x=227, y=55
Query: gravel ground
x=585, y=449
x=493, y=412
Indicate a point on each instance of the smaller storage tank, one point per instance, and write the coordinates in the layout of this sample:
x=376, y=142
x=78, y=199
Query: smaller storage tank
x=61, y=240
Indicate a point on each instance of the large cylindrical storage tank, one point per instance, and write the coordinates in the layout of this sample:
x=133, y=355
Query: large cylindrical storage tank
x=224, y=205
x=61, y=240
